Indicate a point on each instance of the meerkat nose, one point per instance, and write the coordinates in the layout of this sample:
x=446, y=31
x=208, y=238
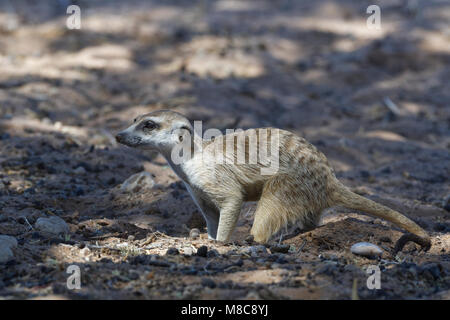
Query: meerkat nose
x=119, y=137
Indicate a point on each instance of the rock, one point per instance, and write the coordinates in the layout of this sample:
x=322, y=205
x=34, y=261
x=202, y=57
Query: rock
x=188, y=251
x=282, y=248
x=79, y=170
x=5, y=254
x=256, y=251
x=207, y=282
x=202, y=251
x=6, y=244
x=366, y=249
x=138, y=182
x=172, y=251
x=194, y=233
x=9, y=241
x=385, y=239
x=212, y=253
x=281, y=260
x=440, y=227
x=53, y=225
x=85, y=251
x=330, y=269
x=431, y=269
x=328, y=256
x=446, y=203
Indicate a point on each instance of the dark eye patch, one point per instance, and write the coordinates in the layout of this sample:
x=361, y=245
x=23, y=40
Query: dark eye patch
x=149, y=125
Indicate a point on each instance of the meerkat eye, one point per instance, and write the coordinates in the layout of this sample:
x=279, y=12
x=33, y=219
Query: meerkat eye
x=150, y=125
x=134, y=121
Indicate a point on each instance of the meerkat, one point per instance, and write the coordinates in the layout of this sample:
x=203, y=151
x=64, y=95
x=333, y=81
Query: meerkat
x=301, y=187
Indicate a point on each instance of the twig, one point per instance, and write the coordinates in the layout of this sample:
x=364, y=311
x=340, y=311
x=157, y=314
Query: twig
x=28, y=223
x=302, y=246
x=391, y=106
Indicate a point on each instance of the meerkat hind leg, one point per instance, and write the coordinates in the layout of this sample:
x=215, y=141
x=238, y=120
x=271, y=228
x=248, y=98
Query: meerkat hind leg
x=277, y=209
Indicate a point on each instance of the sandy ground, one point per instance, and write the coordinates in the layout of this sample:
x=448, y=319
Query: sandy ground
x=312, y=67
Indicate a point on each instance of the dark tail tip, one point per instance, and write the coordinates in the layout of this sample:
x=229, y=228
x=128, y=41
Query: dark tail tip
x=404, y=239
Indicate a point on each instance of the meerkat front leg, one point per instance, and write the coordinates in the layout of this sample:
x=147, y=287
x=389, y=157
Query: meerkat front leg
x=211, y=215
x=209, y=212
x=229, y=214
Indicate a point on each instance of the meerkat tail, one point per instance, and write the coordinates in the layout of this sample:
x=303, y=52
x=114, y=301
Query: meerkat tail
x=343, y=196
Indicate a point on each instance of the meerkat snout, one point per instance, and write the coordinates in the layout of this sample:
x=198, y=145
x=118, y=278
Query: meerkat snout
x=120, y=137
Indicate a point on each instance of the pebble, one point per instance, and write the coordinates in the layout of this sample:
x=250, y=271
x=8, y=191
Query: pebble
x=141, y=181
x=53, y=225
x=202, y=251
x=194, y=233
x=282, y=248
x=366, y=249
x=212, y=253
x=188, y=251
x=207, y=282
x=6, y=244
x=385, y=239
x=85, y=251
x=172, y=251
x=446, y=203
x=256, y=251
x=8, y=240
x=79, y=170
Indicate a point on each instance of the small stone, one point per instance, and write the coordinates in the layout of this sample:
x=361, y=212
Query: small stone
x=281, y=260
x=194, y=233
x=79, y=170
x=256, y=251
x=133, y=275
x=446, y=203
x=440, y=227
x=8, y=240
x=5, y=254
x=188, y=251
x=432, y=269
x=212, y=253
x=385, y=239
x=6, y=244
x=328, y=256
x=122, y=245
x=141, y=181
x=328, y=269
x=85, y=251
x=172, y=251
x=207, y=282
x=366, y=249
x=53, y=225
x=282, y=248
x=202, y=251
x=351, y=268
x=378, y=221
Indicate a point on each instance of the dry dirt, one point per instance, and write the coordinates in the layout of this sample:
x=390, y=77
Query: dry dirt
x=312, y=67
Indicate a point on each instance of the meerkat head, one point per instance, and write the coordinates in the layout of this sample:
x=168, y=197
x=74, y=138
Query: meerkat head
x=159, y=130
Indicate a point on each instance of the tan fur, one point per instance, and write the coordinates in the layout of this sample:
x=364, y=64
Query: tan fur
x=299, y=191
